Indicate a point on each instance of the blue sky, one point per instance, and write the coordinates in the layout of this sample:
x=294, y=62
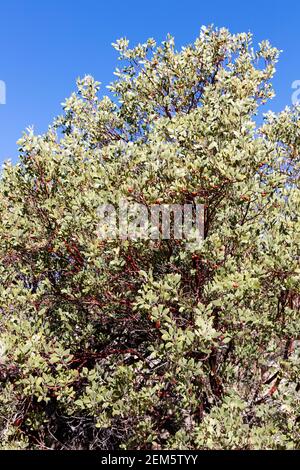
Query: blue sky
x=47, y=44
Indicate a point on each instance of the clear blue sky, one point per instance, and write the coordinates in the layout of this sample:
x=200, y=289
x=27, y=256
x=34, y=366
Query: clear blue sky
x=47, y=44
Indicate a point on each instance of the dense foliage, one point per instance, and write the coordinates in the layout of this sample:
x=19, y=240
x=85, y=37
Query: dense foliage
x=148, y=344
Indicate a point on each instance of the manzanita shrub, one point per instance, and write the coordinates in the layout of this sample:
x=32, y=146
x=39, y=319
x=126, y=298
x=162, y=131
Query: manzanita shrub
x=153, y=344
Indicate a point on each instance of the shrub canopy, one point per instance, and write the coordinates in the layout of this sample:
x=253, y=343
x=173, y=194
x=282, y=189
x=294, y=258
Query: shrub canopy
x=153, y=344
